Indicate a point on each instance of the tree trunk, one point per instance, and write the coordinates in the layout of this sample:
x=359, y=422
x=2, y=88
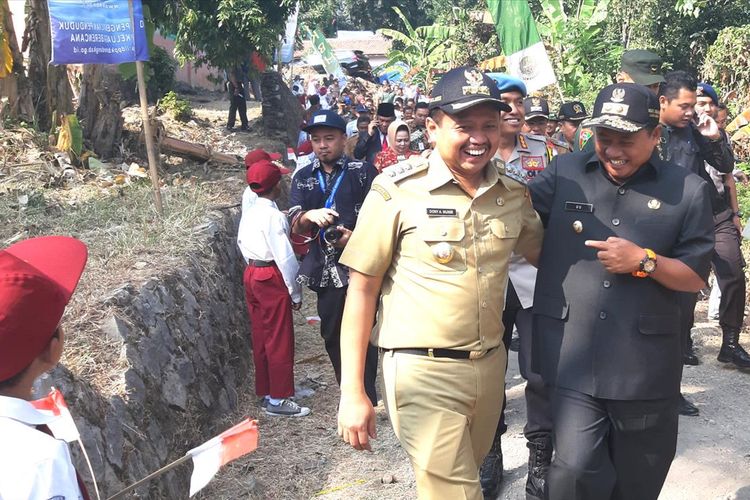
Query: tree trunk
x=51, y=91
x=16, y=86
x=99, y=109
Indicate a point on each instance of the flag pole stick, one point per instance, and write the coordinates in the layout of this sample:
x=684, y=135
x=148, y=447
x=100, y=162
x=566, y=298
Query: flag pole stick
x=91, y=469
x=151, y=476
x=152, y=157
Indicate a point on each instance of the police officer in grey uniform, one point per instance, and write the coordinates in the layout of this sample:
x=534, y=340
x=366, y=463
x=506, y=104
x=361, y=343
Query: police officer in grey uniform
x=524, y=156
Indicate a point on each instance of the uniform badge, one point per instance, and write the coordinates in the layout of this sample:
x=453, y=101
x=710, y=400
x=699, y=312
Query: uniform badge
x=532, y=163
x=500, y=201
x=578, y=227
x=522, y=142
x=654, y=204
x=577, y=108
x=443, y=252
x=584, y=137
x=699, y=91
x=474, y=83
x=381, y=190
x=618, y=95
x=442, y=212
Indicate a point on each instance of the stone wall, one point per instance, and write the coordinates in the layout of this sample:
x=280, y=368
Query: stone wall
x=184, y=342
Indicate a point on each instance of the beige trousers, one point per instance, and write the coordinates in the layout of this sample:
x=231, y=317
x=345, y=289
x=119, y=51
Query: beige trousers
x=445, y=412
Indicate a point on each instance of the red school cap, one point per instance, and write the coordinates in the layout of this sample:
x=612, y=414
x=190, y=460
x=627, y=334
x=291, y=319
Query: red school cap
x=259, y=154
x=37, y=279
x=263, y=175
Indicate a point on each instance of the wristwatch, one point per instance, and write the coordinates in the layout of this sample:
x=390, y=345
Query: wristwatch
x=647, y=265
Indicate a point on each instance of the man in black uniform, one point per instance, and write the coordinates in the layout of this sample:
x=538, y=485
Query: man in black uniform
x=691, y=142
x=625, y=232
x=327, y=195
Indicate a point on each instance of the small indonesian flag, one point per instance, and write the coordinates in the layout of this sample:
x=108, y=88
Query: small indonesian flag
x=63, y=427
x=227, y=446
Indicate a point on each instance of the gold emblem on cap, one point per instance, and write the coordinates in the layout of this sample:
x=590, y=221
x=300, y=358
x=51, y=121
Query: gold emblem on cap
x=654, y=204
x=535, y=101
x=578, y=227
x=699, y=91
x=474, y=83
x=655, y=68
x=443, y=252
x=577, y=108
x=618, y=95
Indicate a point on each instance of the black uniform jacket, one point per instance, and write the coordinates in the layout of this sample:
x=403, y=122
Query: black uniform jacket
x=614, y=336
x=368, y=146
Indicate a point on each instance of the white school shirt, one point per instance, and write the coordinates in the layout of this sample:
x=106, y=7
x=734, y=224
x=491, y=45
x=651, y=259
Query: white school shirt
x=264, y=235
x=33, y=465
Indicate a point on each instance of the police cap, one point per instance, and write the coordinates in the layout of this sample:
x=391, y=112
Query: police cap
x=625, y=107
x=462, y=88
x=536, y=106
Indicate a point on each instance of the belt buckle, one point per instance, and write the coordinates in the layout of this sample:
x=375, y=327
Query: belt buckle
x=431, y=353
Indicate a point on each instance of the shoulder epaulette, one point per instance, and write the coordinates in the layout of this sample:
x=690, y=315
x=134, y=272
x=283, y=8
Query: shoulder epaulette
x=557, y=143
x=406, y=168
x=535, y=137
x=522, y=141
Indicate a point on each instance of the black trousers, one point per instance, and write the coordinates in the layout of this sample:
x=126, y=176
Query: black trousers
x=331, y=311
x=610, y=449
x=538, y=411
x=237, y=103
x=728, y=264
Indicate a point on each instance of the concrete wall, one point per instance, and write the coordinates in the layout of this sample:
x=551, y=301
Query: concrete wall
x=183, y=338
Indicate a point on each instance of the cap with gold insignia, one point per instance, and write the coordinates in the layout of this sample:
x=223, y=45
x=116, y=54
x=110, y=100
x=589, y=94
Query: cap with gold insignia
x=536, y=106
x=706, y=90
x=572, y=111
x=462, y=88
x=643, y=66
x=625, y=107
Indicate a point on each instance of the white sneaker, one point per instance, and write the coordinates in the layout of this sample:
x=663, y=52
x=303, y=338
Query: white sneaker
x=287, y=408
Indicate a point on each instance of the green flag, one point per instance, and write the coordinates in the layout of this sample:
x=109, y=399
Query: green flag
x=523, y=48
x=322, y=47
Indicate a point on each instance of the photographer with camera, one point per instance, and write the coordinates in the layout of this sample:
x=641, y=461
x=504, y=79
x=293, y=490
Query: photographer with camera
x=326, y=197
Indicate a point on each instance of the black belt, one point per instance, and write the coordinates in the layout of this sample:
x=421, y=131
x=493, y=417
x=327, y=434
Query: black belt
x=261, y=263
x=437, y=353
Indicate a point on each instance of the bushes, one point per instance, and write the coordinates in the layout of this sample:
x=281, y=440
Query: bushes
x=727, y=62
x=179, y=108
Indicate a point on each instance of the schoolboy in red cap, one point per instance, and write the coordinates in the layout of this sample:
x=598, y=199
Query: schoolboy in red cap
x=37, y=279
x=254, y=156
x=271, y=291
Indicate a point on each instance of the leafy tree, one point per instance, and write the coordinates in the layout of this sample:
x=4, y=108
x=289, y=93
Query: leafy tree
x=222, y=33
x=425, y=49
x=728, y=67
x=583, y=56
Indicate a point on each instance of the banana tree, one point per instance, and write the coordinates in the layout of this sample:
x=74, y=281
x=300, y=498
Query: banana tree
x=424, y=48
x=579, y=48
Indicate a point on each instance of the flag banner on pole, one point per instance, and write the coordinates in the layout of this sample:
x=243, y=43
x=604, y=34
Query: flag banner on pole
x=290, y=33
x=63, y=427
x=222, y=449
x=526, y=56
x=97, y=32
x=330, y=62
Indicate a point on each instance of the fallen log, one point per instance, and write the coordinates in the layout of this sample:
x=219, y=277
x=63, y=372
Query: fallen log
x=193, y=151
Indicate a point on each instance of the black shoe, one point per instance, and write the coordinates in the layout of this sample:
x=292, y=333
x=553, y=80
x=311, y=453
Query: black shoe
x=690, y=358
x=540, y=457
x=245, y=128
x=687, y=408
x=731, y=351
x=491, y=472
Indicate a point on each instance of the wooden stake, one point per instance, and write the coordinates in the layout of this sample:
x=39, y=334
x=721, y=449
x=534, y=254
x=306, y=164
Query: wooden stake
x=150, y=151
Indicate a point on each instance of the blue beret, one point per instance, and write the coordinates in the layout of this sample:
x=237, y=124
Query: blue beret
x=507, y=83
x=705, y=89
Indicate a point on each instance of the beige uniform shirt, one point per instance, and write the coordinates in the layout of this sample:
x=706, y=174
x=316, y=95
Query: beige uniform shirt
x=416, y=210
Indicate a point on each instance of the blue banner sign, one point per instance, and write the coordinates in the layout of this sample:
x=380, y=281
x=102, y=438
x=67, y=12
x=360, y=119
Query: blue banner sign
x=97, y=32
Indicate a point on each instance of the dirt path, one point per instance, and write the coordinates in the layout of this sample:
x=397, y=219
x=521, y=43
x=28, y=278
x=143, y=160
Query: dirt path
x=304, y=458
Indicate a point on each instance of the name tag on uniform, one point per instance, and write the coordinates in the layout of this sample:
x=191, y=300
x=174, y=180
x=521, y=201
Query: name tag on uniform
x=577, y=206
x=442, y=212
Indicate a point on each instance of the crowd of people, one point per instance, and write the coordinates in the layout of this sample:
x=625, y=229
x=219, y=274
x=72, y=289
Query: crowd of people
x=454, y=221
x=429, y=230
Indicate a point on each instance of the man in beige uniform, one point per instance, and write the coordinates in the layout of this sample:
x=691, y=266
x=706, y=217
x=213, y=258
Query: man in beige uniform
x=432, y=246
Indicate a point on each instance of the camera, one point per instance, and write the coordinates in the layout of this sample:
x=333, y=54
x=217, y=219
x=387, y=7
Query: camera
x=332, y=234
